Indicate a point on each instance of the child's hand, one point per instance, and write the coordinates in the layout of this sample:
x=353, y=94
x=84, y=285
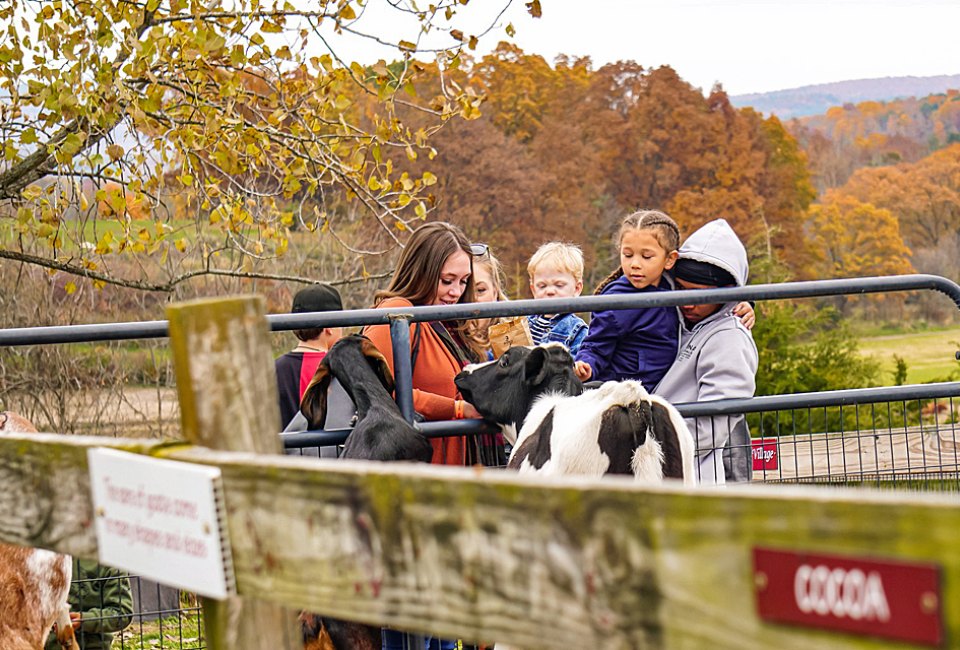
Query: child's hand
x=583, y=370
x=744, y=311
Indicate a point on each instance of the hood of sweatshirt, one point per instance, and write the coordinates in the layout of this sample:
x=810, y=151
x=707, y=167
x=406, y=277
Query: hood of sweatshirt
x=716, y=243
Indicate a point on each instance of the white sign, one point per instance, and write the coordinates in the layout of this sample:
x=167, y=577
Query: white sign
x=162, y=519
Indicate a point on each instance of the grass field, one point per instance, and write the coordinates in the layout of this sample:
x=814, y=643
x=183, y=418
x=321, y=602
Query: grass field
x=929, y=355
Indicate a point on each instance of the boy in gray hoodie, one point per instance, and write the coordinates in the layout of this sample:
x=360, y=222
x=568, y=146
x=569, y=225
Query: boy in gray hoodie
x=717, y=357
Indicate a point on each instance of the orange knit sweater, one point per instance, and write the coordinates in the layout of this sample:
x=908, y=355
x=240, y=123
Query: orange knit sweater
x=434, y=391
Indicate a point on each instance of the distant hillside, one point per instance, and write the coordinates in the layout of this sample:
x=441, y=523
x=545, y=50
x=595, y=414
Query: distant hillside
x=813, y=100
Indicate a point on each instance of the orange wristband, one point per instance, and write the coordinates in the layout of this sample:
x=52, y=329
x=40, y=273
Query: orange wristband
x=458, y=409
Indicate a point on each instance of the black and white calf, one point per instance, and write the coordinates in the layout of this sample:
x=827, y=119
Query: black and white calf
x=619, y=428
x=504, y=390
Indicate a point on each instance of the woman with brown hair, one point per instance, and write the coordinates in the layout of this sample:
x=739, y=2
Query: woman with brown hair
x=435, y=268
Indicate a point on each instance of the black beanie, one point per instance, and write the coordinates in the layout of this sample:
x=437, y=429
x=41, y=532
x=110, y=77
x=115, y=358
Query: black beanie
x=702, y=273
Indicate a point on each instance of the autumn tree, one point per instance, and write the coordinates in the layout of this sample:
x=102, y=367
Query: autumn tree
x=855, y=239
x=869, y=134
x=248, y=103
x=924, y=196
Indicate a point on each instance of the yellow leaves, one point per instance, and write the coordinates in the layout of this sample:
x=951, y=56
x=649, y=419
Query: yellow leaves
x=31, y=192
x=72, y=144
x=70, y=288
x=10, y=151
x=277, y=139
x=237, y=56
x=105, y=245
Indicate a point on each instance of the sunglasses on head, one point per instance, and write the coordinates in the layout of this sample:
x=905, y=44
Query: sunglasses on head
x=479, y=250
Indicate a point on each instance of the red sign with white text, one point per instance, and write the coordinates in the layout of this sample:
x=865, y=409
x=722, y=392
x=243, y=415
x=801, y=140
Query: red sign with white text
x=870, y=597
x=765, y=454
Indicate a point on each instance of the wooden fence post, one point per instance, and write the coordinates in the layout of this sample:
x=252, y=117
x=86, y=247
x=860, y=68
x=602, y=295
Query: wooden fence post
x=228, y=401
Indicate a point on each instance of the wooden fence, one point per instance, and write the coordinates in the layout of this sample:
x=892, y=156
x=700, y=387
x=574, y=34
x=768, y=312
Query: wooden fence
x=485, y=555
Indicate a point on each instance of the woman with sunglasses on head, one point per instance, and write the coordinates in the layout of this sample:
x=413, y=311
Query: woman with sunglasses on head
x=435, y=268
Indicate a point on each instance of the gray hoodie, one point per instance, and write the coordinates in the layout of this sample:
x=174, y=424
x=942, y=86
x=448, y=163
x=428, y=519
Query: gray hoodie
x=717, y=360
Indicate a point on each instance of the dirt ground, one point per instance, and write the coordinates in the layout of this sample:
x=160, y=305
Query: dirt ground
x=132, y=412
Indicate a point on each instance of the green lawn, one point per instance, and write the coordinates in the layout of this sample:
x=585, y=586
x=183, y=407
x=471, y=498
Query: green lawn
x=929, y=355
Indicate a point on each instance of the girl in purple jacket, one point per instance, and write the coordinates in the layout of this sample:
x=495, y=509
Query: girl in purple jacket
x=635, y=343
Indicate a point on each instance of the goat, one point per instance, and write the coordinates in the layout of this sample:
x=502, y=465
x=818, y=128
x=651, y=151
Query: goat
x=618, y=428
x=34, y=584
x=380, y=433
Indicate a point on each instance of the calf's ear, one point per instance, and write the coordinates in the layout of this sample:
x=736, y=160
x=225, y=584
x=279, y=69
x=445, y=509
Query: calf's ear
x=379, y=364
x=535, y=366
x=313, y=404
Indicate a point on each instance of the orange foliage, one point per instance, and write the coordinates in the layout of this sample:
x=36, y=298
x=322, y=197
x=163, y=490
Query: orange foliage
x=855, y=239
x=924, y=196
x=116, y=201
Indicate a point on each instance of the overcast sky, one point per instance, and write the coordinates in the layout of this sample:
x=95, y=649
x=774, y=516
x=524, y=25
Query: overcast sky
x=747, y=45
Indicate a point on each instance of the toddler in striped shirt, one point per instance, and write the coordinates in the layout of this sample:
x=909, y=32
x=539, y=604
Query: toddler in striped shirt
x=556, y=271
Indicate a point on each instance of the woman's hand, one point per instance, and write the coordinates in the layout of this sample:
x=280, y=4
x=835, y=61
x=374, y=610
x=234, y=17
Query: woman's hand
x=582, y=370
x=469, y=411
x=744, y=311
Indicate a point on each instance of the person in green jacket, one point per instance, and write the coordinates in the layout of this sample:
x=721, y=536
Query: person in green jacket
x=101, y=604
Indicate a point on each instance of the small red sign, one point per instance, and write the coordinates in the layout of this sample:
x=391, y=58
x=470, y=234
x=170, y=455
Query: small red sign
x=765, y=454
x=870, y=597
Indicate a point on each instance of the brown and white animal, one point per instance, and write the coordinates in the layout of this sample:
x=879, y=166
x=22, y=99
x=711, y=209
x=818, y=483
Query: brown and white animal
x=33, y=584
x=618, y=428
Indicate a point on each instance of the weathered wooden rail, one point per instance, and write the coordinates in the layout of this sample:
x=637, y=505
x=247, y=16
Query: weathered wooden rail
x=475, y=554
x=486, y=555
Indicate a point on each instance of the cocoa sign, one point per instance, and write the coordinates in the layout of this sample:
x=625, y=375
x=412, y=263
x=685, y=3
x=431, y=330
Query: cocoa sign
x=871, y=597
